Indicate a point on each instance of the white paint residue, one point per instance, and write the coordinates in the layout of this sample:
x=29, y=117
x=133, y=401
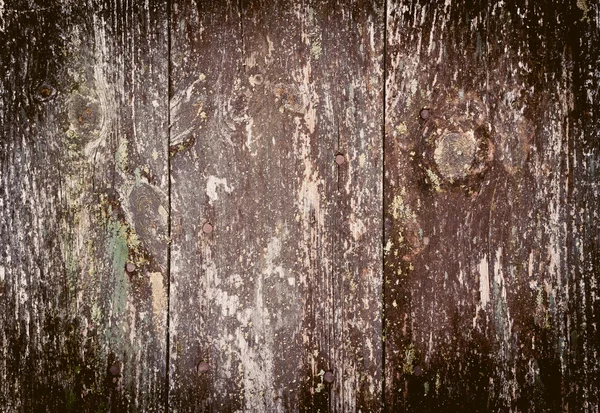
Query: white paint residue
x=357, y=227
x=362, y=159
x=273, y=251
x=1, y=273
x=2, y=21
x=310, y=99
x=257, y=359
x=498, y=274
x=249, y=136
x=159, y=298
x=309, y=196
x=211, y=187
x=484, y=281
x=229, y=303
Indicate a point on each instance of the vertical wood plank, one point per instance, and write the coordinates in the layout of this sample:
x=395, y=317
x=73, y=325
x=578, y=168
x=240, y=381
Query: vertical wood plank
x=276, y=306
x=83, y=201
x=491, y=270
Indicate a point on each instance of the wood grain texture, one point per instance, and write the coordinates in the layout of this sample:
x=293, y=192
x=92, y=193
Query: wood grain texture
x=287, y=286
x=83, y=192
x=299, y=206
x=491, y=261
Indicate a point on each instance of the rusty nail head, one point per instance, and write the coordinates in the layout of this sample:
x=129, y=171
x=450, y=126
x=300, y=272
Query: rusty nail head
x=207, y=228
x=424, y=113
x=203, y=367
x=115, y=369
x=340, y=158
x=418, y=371
x=130, y=267
x=328, y=376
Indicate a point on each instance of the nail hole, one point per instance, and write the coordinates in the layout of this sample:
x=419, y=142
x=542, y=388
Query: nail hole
x=203, y=367
x=207, y=228
x=115, y=369
x=328, y=376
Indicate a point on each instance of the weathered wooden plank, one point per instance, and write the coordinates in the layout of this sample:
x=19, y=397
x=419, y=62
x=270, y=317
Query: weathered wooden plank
x=83, y=201
x=281, y=294
x=491, y=267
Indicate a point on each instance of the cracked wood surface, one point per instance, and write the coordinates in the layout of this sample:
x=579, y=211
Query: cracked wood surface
x=283, y=206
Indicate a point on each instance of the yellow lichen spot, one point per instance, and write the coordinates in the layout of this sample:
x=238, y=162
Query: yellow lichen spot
x=401, y=128
x=202, y=77
x=433, y=179
x=388, y=246
x=409, y=359
x=154, y=154
x=401, y=211
x=316, y=49
x=583, y=6
x=362, y=159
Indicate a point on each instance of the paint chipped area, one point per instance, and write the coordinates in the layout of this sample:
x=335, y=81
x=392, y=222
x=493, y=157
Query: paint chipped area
x=214, y=185
x=159, y=297
x=514, y=132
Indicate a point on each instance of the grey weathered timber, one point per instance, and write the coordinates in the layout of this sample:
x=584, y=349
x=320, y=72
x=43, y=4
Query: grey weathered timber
x=491, y=203
x=83, y=206
x=277, y=307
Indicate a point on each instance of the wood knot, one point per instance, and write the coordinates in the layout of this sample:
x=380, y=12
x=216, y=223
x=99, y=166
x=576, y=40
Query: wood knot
x=454, y=154
x=455, y=148
x=44, y=92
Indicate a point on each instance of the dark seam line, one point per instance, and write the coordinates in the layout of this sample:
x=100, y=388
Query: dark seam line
x=169, y=94
x=383, y=234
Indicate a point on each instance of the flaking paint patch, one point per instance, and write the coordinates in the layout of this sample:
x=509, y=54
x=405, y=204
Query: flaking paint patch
x=583, y=6
x=272, y=253
x=484, y=281
x=212, y=184
x=2, y=21
x=310, y=98
x=357, y=227
x=309, y=196
x=159, y=297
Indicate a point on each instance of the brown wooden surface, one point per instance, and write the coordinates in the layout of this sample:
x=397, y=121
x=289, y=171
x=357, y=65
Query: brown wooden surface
x=227, y=206
x=83, y=191
x=491, y=270
x=287, y=286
